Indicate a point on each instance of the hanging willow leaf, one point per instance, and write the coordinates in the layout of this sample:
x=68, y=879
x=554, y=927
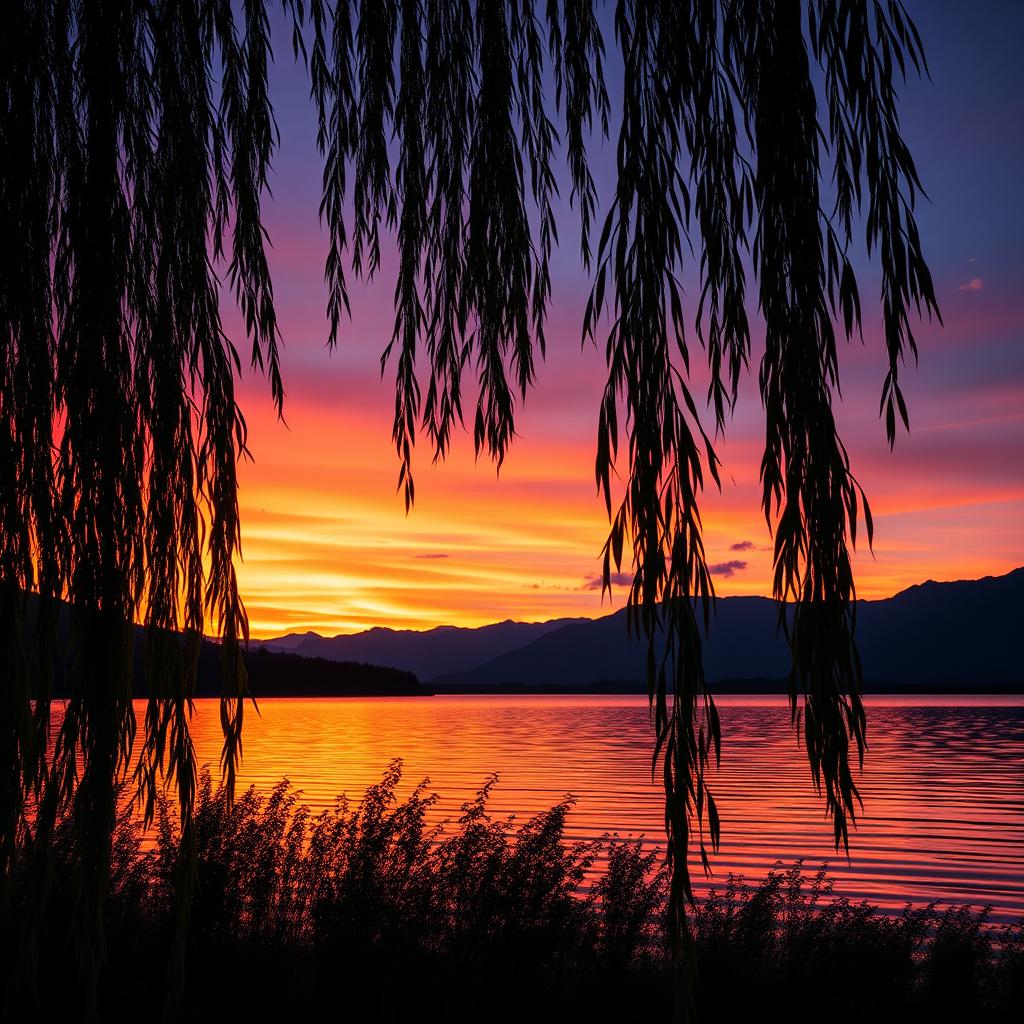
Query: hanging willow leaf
x=135, y=146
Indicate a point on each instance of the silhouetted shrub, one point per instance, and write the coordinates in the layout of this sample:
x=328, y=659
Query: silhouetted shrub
x=368, y=912
x=629, y=903
x=789, y=947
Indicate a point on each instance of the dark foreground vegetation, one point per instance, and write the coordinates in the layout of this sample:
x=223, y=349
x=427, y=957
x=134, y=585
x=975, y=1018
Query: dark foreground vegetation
x=367, y=913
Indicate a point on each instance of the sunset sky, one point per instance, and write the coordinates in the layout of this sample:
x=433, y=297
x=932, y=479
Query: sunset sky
x=326, y=541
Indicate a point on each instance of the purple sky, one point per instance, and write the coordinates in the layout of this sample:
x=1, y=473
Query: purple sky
x=326, y=540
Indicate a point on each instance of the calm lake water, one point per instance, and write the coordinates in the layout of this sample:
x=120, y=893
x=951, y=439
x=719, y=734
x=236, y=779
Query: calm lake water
x=943, y=782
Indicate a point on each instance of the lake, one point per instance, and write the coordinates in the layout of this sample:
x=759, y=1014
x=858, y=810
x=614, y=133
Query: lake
x=943, y=781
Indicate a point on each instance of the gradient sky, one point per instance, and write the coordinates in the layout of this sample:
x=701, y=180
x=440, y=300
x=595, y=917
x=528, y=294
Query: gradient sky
x=326, y=541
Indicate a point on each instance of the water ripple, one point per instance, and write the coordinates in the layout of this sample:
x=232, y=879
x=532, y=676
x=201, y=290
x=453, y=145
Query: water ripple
x=943, y=783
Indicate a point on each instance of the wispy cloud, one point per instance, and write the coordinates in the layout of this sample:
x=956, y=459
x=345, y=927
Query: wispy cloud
x=742, y=545
x=621, y=579
x=432, y=554
x=974, y=285
x=727, y=568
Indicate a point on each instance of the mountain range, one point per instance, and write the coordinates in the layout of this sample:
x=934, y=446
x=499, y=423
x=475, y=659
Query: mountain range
x=428, y=653
x=967, y=634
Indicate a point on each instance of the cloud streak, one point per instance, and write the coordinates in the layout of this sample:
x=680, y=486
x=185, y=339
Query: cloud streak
x=593, y=581
x=727, y=569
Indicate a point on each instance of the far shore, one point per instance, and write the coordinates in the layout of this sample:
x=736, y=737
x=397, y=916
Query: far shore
x=731, y=688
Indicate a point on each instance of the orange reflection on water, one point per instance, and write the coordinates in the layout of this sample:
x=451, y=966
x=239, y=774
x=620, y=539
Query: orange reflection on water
x=943, y=783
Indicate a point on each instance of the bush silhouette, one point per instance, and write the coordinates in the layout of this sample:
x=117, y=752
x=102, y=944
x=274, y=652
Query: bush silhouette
x=368, y=911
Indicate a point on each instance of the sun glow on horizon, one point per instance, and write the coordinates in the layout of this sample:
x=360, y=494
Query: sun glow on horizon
x=328, y=547
x=326, y=541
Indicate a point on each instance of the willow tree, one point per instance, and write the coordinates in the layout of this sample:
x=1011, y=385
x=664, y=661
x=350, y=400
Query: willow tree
x=136, y=137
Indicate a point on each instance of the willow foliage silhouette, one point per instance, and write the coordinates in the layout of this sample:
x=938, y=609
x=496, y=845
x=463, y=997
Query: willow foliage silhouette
x=135, y=147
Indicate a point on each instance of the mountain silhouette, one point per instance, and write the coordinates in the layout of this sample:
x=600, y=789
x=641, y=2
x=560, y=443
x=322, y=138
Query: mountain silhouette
x=941, y=635
x=428, y=654
x=272, y=671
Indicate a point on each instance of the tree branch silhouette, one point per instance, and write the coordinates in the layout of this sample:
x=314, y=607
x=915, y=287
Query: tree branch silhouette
x=135, y=149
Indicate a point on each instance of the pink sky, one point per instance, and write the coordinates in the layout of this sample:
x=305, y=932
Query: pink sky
x=326, y=541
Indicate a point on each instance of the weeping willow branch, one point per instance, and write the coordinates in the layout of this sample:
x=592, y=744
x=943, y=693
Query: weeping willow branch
x=135, y=148
x=718, y=154
x=805, y=470
x=641, y=252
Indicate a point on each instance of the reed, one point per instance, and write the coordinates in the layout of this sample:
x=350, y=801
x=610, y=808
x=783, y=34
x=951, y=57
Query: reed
x=368, y=911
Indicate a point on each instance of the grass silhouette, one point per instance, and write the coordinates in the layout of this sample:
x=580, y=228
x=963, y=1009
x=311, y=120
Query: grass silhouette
x=367, y=911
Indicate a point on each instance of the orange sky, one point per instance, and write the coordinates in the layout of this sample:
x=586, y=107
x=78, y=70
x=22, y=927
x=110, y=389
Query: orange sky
x=326, y=541
x=327, y=544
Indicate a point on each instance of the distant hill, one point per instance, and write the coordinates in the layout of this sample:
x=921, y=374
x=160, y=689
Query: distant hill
x=271, y=673
x=283, y=674
x=743, y=644
x=427, y=654
x=965, y=634
x=290, y=642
